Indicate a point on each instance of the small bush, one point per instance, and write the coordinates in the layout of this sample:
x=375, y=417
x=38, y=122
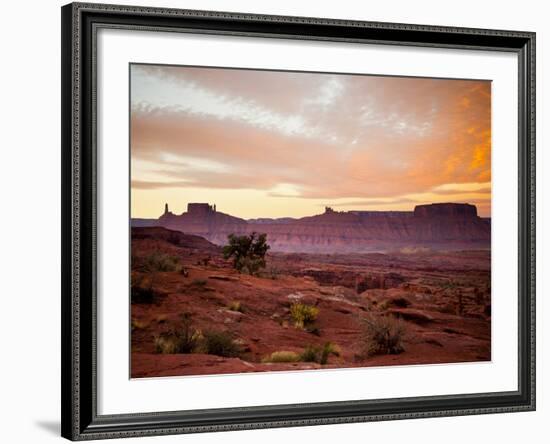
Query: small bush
x=400, y=302
x=138, y=325
x=314, y=331
x=199, y=282
x=141, y=295
x=309, y=354
x=220, y=343
x=248, y=252
x=161, y=262
x=303, y=315
x=185, y=340
x=141, y=291
x=235, y=306
x=383, y=335
x=319, y=354
x=282, y=356
x=166, y=344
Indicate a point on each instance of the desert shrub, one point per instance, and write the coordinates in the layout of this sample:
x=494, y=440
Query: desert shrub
x=220, y=343
x=141, y=291
x=161, y=262
x=235, y=306
x=328, y=349
x=303, y=315
x=309, y=354
x=313, y=330
x=142, y=295
x=184, y=340
x=188, y=336
x=199, y=282
x=319, y=354
x=166, y=344
x=138, y=325
x=282, y=356
x=400, y=302
x=248, y=252
x=383, y=335
x=205, y=261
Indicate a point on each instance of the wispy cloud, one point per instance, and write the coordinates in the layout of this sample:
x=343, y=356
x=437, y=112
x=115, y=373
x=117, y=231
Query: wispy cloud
x=309, y=137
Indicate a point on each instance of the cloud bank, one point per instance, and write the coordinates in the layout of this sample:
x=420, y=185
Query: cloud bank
x=353, y=141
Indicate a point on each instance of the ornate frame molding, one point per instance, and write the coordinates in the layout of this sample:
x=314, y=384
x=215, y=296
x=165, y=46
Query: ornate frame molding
x=80, y=22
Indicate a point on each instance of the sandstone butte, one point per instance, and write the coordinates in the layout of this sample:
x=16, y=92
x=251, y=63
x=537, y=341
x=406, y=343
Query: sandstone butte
x=443, y=226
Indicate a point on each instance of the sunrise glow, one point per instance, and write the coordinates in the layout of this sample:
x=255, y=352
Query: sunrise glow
x=276, y=144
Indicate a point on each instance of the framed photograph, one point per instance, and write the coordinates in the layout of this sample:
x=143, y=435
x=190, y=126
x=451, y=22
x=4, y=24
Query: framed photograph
x=281, y=221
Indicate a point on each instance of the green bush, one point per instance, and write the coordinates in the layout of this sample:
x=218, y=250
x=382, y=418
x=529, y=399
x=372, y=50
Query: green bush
x=319, y=354
x=248, y=252
x=309, y=354
x=141, y=291
x=220, y=343
x=303, y=315
x=383, y=335
x=161, y=262
x=184, y=340
x=166, y=345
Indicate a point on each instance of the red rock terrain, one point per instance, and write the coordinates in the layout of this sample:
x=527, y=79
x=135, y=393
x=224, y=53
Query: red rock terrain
x=442, y=300
x=437, y=226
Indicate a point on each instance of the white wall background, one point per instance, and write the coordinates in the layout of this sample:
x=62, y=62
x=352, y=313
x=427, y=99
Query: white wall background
x=30, y=220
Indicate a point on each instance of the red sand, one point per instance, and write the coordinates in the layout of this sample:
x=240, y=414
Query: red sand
x=444, y=323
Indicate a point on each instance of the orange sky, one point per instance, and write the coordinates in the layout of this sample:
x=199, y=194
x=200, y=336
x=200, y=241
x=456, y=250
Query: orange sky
x=274, y=144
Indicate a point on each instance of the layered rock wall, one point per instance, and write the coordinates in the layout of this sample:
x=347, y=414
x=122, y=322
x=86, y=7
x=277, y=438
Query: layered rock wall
x=442, y=226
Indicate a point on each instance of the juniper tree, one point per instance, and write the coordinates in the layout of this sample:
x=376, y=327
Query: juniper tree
x=248, y=252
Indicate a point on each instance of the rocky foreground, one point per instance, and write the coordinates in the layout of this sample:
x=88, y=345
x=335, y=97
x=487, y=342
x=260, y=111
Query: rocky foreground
x=440, y=300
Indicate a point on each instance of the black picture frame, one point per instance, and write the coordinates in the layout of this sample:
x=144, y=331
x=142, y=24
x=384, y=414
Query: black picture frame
x=80, y=420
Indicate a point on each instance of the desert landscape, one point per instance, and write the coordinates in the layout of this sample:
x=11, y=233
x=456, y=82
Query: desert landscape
x=291, y=221
x=423, y=297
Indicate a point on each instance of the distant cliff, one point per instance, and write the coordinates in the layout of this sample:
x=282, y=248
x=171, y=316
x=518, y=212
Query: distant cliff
x=439, y=226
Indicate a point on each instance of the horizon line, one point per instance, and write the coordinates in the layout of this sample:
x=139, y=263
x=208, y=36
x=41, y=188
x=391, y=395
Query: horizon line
x=328, y=208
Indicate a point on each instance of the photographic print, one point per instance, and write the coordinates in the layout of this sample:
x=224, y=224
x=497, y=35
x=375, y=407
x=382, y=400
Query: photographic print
x=295, y=221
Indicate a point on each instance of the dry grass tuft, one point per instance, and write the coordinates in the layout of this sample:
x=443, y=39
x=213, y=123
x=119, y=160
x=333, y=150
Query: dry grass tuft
x=383, y=335
x=303, y=315
x=282, y=356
